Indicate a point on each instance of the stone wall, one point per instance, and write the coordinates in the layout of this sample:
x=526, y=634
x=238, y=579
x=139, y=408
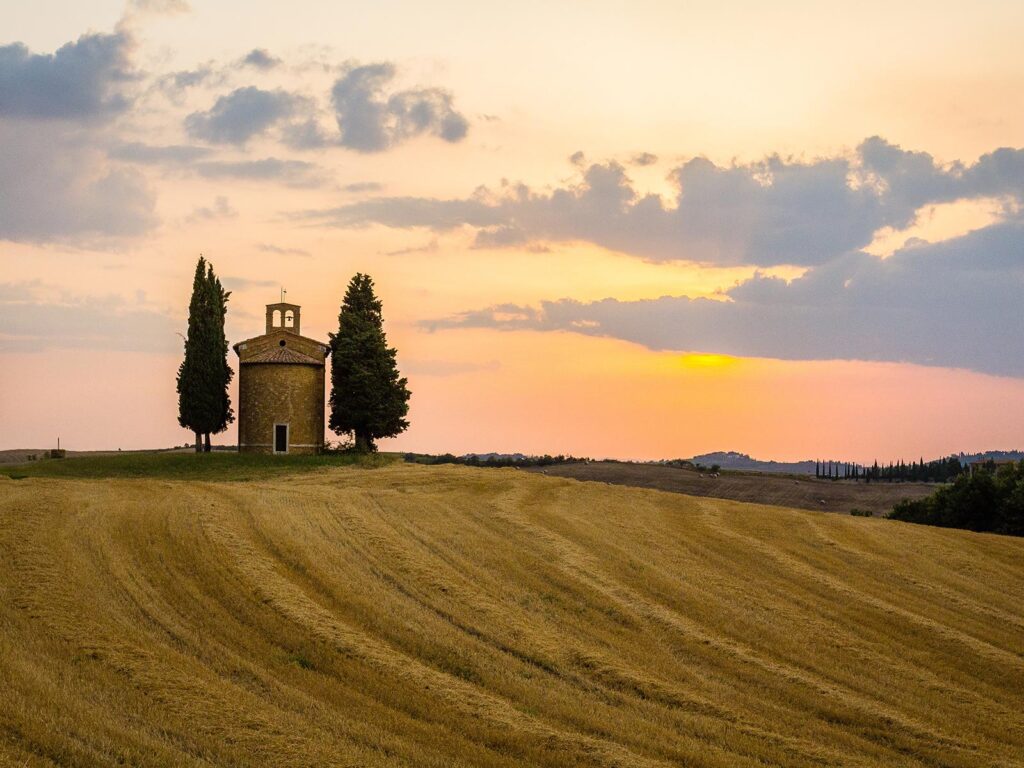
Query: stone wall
x=275, y=393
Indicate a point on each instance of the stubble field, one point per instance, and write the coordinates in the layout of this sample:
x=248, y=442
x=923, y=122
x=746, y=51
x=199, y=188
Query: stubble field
x=440, y=616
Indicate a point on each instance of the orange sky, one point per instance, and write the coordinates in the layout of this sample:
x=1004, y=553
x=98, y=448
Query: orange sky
x=101, y=237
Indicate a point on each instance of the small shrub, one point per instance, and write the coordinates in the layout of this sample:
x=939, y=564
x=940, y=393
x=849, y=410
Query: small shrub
x=300, y=661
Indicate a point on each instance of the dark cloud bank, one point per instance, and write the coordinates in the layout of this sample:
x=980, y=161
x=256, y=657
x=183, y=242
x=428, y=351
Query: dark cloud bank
x=767, y=213
x=55, y=183
x=956, y=303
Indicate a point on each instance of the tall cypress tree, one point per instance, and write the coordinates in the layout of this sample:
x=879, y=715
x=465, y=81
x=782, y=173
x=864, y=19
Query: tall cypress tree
x=192, y=389
x=203, y=377
x=222, y=372
x=368, y=397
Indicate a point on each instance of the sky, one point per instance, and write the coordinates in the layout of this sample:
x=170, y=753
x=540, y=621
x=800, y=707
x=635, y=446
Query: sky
x=637, y=230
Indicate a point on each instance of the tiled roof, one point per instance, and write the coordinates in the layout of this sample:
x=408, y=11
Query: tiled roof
x=282, y=355
x=276, y=333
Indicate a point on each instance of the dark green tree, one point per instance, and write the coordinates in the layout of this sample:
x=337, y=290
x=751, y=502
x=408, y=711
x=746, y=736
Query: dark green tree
x=204, y=405
x=369, y=399
x=223, y=371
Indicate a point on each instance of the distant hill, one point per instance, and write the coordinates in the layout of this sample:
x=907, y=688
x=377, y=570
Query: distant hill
x=734, y=460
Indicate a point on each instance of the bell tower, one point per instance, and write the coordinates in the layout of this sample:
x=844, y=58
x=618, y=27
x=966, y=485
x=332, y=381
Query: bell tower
x=283, y=317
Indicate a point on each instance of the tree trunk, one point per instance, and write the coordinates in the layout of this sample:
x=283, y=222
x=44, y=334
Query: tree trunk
x=206, y=446
x=199, y=444
x=364, y=443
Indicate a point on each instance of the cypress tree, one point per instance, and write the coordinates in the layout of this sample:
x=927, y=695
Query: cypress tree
x=368, y=397
x=222, y=370
x=204, y=374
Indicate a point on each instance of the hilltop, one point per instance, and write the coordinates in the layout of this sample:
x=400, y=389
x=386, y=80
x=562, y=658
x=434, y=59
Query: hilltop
x=440, y=616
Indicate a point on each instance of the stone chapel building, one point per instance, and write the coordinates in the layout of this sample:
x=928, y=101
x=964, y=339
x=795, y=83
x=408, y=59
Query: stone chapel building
x=281, y=387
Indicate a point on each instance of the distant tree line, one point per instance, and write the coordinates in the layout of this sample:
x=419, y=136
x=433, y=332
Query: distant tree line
x=472, y=460
x=677, y=463
x=937, y=471
x=687, y=464
x=986, y=500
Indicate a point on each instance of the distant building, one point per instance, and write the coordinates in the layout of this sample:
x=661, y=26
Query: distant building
x=281, y=387
x=988, y=464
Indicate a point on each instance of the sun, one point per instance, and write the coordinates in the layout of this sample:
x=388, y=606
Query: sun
x=708, y=362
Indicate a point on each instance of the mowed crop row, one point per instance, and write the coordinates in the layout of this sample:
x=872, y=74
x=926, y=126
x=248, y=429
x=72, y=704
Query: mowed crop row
x=440, y=616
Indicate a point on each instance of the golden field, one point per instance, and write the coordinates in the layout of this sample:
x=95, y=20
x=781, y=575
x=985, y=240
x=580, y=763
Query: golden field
x=445, y=616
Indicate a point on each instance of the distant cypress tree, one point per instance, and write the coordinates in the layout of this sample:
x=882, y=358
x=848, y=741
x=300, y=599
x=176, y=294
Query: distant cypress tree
x=204, y=374
x=368, y=398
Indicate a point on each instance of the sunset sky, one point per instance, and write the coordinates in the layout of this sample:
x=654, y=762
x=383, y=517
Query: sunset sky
x=635, y=230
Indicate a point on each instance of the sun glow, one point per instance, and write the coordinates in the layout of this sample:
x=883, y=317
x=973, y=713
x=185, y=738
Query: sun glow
x=709, y=362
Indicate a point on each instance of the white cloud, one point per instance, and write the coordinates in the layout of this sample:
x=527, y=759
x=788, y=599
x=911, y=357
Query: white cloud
x=242, y=114
x=82, y=80
x=371, y=121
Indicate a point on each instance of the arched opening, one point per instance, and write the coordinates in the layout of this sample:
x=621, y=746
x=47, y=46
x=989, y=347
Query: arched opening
x=276, y=321
x=289, y=319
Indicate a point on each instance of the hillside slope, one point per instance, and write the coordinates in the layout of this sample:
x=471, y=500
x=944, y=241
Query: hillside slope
x=755, y=487
x=438, y=616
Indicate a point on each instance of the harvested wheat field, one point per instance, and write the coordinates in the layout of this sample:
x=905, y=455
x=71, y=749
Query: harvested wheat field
x=444, y=616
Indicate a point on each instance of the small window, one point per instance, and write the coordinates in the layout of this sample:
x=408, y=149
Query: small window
x=277, y=318
x=282, y=342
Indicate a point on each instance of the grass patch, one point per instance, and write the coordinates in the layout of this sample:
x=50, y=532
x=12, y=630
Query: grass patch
x=300, y=661
x=217, y=465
